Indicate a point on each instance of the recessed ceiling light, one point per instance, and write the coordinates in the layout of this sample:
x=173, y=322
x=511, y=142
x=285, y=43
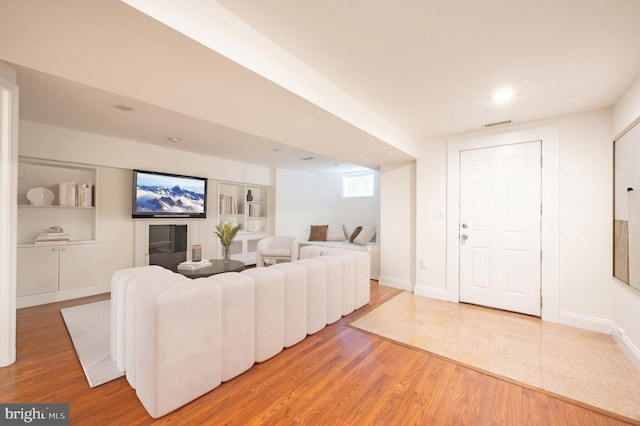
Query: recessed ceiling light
x=175, y=140
x=503, y=96
x=123, y=107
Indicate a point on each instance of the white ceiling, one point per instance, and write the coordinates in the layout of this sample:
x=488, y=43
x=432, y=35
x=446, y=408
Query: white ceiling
x=360, y=82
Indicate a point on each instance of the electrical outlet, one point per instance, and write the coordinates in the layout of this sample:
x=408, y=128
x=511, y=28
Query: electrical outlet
x=438, y=213
x=424, y=263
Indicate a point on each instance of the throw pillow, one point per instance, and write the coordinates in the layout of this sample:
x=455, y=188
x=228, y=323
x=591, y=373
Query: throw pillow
x=318, y=233
x=335, y=233
x=366, y=235
x=355, y=233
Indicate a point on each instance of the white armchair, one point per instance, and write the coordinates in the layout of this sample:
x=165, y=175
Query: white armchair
x=276, y=248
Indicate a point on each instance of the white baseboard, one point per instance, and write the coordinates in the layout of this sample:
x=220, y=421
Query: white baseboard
x=395, y=283
x=58, y=296
x=586, y=322
x=607, y=327
x=434, y=293
x=631, y=350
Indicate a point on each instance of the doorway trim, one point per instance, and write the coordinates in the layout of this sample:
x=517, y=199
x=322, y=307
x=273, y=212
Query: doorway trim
x=8, y=216
x=549, y=136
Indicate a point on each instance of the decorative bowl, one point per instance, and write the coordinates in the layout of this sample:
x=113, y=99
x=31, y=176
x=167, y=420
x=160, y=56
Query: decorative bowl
x=40, y=196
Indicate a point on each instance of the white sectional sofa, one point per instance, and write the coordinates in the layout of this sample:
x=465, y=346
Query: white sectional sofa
x=179, y=338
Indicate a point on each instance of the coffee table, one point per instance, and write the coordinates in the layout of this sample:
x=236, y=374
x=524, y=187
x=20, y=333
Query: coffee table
x=218, y=266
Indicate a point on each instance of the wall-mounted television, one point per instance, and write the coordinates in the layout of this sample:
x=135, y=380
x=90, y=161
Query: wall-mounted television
x=162, y=195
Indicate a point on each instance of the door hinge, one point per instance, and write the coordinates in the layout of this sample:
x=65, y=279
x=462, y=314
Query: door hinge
x=541, y=161
x=540, y=255
x=541, y=301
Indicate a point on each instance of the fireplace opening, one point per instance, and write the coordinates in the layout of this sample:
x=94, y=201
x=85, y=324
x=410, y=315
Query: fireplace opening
x=167, y=245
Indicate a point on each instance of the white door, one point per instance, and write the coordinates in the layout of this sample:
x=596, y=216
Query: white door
x=500, y=219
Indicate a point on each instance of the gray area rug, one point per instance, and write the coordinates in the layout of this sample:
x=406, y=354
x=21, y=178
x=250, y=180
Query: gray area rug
x=89, y=327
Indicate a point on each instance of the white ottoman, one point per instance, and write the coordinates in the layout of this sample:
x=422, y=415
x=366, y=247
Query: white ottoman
x=238, y=323
x=179, y=356
x=316, y=294
x=269, y=288
x=295, y=302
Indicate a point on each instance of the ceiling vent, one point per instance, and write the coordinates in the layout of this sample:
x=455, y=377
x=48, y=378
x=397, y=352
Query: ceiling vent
x=123, y=107
x=497, y=123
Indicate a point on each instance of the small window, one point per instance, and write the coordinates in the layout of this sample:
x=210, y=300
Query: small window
x=358, y=184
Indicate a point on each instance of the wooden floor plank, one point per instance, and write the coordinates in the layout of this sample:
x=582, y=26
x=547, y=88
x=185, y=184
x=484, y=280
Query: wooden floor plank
x=338, y=376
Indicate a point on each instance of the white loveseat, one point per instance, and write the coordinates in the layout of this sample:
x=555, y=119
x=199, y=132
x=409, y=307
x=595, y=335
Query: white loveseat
x=179, y=338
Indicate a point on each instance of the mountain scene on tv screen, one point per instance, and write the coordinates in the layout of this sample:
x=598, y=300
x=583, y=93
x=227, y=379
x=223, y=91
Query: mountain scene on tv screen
x=160, y=199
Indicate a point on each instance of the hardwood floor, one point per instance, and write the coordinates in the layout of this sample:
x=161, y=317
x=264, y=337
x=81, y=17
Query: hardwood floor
x=338, y=376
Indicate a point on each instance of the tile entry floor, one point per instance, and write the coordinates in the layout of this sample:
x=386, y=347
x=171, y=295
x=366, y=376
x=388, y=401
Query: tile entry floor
x=582, y=365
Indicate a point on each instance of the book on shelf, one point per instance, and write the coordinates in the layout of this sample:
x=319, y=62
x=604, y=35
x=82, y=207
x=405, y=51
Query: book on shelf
x=52, y=237
x=228, y=204
x=254, y=210
x=72, y=194
x=46, y=235
x=190, y=265
x=37, y=241
x=51, y=240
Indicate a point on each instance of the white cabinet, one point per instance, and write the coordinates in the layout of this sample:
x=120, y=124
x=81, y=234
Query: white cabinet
x=37, y=270
x=247, y=205
x=50, y=268
x=78, y=266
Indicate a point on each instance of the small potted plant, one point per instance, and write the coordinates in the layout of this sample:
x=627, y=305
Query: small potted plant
x=226, y=234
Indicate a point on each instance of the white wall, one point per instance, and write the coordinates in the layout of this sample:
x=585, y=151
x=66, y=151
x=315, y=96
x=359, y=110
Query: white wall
x=43, y=141
x=585, y=224
x=627, y=110
x=306, y=198
x=431, y=232
x=115, y=158
x=626, y=301
x=397, y=226
x=586, y=216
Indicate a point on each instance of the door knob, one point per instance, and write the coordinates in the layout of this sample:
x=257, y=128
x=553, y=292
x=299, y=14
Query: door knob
x=465, y=226
x=464, y=237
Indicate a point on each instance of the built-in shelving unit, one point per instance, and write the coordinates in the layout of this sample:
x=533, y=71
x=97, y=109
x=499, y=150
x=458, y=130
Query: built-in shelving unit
x=49, y=268
x=78, y=221
x=247, y=205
